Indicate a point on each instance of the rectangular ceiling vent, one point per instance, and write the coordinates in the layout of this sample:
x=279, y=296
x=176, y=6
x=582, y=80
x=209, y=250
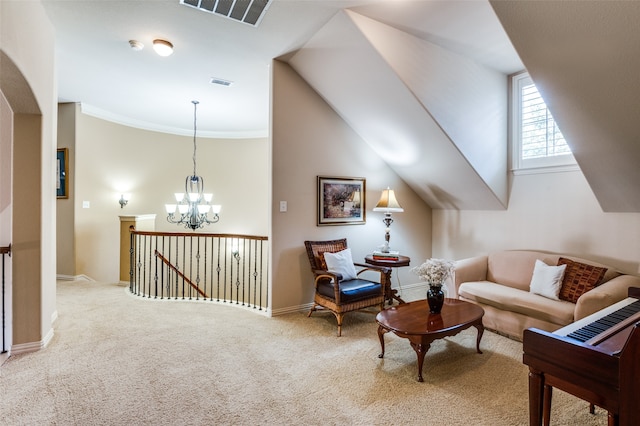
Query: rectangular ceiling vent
x=221, y=82
x=246, y=11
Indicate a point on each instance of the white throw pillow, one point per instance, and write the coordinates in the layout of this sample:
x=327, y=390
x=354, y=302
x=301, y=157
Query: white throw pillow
x=547, y=280
x=341, y=263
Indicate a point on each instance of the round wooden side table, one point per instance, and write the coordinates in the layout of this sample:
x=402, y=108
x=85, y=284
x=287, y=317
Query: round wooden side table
x=391, y=293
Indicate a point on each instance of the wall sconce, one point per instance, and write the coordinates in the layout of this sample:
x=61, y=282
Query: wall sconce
x=124, y=199
x=387, y=204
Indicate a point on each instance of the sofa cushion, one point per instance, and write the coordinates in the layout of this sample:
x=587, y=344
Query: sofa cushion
x=579, y=278
x=510, y=299
x=341, y=263
x=515, y=268
x=547, y=280
x=350, y=291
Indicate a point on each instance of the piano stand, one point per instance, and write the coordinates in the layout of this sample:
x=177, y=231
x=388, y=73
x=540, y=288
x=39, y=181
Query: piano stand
x=612, y=419
x=594, y=359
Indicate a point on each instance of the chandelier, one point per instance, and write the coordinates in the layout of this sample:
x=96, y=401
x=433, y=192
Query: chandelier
x=193, y=206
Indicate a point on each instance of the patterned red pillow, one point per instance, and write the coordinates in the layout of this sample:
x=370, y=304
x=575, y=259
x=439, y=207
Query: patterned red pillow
x=578, y=279
x=322, y=264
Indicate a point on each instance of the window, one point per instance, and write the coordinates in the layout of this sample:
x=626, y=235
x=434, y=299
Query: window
x=537, y=140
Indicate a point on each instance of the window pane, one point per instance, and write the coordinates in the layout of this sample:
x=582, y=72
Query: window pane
x=540, y=136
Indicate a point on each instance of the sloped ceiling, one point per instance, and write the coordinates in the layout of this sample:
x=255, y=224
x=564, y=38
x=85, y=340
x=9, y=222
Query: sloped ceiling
x=439, y=119
x=584, y=58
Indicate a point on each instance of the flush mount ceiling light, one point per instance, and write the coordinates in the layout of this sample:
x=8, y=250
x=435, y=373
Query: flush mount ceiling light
x=162, y=47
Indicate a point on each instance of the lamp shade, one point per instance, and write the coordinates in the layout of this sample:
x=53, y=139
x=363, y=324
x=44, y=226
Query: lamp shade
x=388, y=203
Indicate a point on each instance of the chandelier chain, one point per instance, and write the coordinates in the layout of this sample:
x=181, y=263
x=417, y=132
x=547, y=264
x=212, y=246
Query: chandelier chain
x=195, y=106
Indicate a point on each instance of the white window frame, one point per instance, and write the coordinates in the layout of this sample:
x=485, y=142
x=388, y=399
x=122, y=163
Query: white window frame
x=553, y=163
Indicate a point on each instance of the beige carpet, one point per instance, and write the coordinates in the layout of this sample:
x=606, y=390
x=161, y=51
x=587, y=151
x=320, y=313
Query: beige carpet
x=120, y=360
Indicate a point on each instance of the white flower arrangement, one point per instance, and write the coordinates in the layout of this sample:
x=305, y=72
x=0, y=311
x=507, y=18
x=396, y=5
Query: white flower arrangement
x=434, y=271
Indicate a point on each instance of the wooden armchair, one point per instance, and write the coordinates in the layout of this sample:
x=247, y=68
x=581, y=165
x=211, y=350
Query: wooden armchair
x=341, y=296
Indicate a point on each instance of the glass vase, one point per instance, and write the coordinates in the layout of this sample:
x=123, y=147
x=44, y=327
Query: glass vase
x=435, y=298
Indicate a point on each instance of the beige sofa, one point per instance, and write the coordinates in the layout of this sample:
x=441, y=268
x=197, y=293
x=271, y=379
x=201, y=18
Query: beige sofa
x=499, y=282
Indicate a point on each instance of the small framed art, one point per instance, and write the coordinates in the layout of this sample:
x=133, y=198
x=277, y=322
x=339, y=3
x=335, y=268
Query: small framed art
x=62, y=183
x=341, y=201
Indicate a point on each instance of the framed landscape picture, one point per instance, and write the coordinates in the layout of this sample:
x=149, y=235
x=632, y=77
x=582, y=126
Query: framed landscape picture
x=62, y=184
x=341, y=201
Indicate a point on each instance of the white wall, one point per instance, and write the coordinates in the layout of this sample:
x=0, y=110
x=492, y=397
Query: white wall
x=553, y=212
x=111, y=158
x=310, y=139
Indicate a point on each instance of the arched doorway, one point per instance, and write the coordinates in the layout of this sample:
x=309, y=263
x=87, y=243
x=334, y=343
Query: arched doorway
x=20, y=206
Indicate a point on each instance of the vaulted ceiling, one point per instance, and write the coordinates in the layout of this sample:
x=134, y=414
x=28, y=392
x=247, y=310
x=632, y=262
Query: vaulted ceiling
x=424, y=82
x=583, y=57
x=439, y=117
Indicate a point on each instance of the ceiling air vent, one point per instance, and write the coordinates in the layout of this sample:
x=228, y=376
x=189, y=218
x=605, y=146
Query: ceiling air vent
x=221, y=82
x=246, y=11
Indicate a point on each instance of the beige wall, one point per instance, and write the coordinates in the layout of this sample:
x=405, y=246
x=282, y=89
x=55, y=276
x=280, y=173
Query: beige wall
x=65, y=242
x=111, y=158
x=27, y=80
x=554, y=212
x=310, y=139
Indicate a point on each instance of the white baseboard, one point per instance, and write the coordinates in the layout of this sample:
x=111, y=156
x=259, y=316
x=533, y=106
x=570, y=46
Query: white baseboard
x=22, y=348
x=47, y=338
x=35, y=346
x=291, y=309
x=415, y=285
x=81, y=277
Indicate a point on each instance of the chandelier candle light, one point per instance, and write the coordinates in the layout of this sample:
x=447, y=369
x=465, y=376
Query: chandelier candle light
x=387, y=204
x=193, y=205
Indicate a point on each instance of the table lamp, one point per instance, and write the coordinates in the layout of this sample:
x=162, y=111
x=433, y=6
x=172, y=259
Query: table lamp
x=387, y=204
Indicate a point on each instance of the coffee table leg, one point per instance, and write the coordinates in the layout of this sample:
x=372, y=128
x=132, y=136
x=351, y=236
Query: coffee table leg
x=421, y=350
x=480, y=328
x=381, y=333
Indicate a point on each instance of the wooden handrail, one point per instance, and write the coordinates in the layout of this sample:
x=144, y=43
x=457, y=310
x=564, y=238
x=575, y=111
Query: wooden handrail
x=180, y=274
x=6, y=250
x=196, y=234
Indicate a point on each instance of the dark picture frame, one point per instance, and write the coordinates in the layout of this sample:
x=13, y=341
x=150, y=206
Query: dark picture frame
x=341, y=200
x=62, y=174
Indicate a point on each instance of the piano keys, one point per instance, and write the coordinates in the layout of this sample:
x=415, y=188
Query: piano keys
x=596, y=359
x=598, y=327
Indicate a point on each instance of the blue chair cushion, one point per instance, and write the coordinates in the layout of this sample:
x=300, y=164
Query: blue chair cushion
x=351, y=290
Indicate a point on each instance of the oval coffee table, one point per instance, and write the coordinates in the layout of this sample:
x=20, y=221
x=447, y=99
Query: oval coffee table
x=413, y=321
